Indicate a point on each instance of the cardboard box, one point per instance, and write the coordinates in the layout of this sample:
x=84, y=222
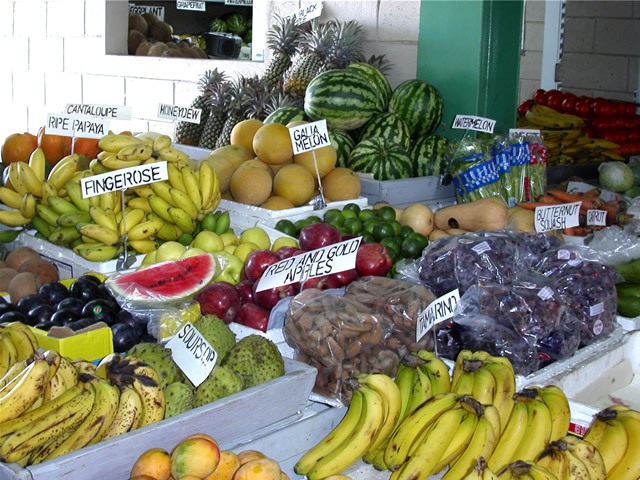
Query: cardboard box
x=91, y=343
x=405, y=192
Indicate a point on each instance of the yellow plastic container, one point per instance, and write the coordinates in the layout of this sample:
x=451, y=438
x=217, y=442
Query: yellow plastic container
x=89, y=345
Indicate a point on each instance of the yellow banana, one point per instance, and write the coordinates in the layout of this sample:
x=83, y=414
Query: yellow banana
x=114, y=143
x=8, y=354
x=421, y=388
x=74, y=190
x=538, y=431
x=97, y=252
x=484, y=385
x=405, y=377
x=107, y=200
x=114, y=163
x=134, y=152
x=160, y=207
x=38, y=163
x=102, y=218
x=63, y=171
x=183, y=201
x=132, y=218
x=48, y=214
x=192, y=186
x=146, y=383
x=10, y=197
x=143, y=191
x=558, y=405
x=182, y=219
x=21, y=341
x=26, y=391
x=207, y=180
x=505, y=389
x=12, y=372
x=161, y=142
x=100, y=233
x=29, y=178
x=511, y=437
x=71, y=219
x=162, y=190
x=48, y=190
x=68, y=372
x=437, y=371
x=459, y=442
x=63, y=235
x=62, y=205
x=144, y=230
x=175, y=177
x=392, y=402
x=128, y=414
x=16, y=182
x=13, y=218
x=537, y=472
x=481, y=471
x=458, y=367
x=28, y=206
x=171, y=154
x=141, y=203
x=589, y=455
x=168, y=231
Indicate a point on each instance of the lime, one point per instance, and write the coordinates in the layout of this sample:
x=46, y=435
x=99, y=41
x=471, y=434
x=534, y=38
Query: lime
x=383, y=230
x=392, y=244
x=287, y=227
x=186, y=239
x=367, y=214
x=368, y=238
x=208, y=222
x=349, y=214
x=369, y=225
x=334, y=217
x=411, y=247
x=336, y=225
x=405, y=231
x=352, y=207
x=387, y=213
x=314, y=219
x=299, y=224
x=353, y=225
x=397, y=228
x=424, y=241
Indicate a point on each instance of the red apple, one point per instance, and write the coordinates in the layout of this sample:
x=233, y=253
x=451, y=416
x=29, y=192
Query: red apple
x=257, y=262
x=245, y=290
x=267, y=299
x=288, y=252
x=318, y=235
x=373, y=259
x=251, y=315
x=322, y=283
x=220, y=299
x=344, y=278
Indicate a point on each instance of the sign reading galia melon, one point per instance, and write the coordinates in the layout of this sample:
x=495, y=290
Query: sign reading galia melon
x=192, y=353
x=123, y=178
x=309, y=136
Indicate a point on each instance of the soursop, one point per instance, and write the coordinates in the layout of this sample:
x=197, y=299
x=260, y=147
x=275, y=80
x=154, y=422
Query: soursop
x=178, y=397
x=217, y=333
x=159, y=357
x=220, y=383
x=256, y=359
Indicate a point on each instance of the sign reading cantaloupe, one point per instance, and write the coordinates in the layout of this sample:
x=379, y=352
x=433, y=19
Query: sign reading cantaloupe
x=259, y=168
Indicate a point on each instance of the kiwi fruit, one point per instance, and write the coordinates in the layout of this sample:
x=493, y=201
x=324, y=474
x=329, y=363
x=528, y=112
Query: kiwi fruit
x=25, y=283
x=143, y=48
x=172, y=45
x=138, y=23
x=19, y=255
x=157, y=49
x=161, y=31
x=43, y=269
x=134, y=41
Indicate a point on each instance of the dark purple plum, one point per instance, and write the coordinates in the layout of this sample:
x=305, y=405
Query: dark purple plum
x=53, y=292
x=26, y=303
x=72, y=303
x=13, y=316
x=40, y=313
x=85, y=289
x=63, y=316
x=124, y=337
x=100, y=310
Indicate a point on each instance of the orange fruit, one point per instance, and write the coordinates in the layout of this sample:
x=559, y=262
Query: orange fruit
x=272, y=143
x=17, y=147
x=244, y=131
x=229, y=464
x=260, y=469
x=248, y=455
x=295, y=183
x=341, y=184
x=195, y=456
x=236, y=154
x=224, y=168
x=155, y=463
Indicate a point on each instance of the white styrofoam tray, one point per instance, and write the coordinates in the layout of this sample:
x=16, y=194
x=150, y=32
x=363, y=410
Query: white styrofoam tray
x=242, y=416
x=407, y=191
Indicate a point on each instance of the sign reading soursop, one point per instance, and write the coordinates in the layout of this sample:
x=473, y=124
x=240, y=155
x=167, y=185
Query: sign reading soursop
x=192, y=353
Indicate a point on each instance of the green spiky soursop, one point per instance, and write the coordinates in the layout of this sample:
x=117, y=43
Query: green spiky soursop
x=178, y=397
x=159, y=357
x=217, y=333
x=256, y=359
x=220, y=383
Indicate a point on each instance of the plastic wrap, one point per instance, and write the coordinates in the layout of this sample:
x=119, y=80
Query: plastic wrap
x=614, y=245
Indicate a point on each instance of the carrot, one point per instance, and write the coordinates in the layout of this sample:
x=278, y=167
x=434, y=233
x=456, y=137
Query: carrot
x=548, y=199
x=588, y=203
x=593, y=193
x=577, y=231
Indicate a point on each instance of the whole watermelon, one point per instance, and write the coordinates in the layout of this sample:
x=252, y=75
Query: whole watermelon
x=384, y=159
x=377, y=78
x=387, y=125
x=344, y=98
x=419, y=104
x=218, y=25
x=343, y=143
x=236, y=23
x=285, y=115
x=429, y=156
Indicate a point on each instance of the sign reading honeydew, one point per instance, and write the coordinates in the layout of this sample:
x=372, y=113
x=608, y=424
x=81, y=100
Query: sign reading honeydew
x=557, y=217
x=123, y=178
x=309, y=136
x=113, y=112
x=471, y=122
x=190, y=5
x=142, y=9
x=597, y=218
x=175, y=112
x=305, y=13
x=316, y=263
x=438, y=311
x=76, y=126
x=192, y=353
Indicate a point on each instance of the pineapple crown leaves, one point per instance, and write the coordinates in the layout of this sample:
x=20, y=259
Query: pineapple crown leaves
x=284, y=36
x=280, y=99
x=380, y=62
x=210, y=77
x=319, y=39
x=347, y=44
x=256, y=98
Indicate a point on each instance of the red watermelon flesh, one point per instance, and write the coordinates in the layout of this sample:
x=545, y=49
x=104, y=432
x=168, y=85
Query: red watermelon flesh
x=164, y=282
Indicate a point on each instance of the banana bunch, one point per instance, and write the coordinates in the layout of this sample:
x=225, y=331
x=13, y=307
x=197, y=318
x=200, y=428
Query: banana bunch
x=577, y=147
x=372, y=415
x=487, y=378
x=615, y=433
x=540, y=415
x=523, y=470
x=124, y=151
x=544, y=117
x=572, y=458
x=481, y=471
x=17, y=344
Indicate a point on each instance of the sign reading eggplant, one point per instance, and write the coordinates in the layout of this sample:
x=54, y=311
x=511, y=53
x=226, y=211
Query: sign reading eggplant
x=140, y=9
x=113, y=112
x=557, y=217
x=76, y=126
x=438, y=311
x=315, y=263
x=174, y=112
x=471, y=122
x=192, y=353
x=309, y=136
x=123, y=178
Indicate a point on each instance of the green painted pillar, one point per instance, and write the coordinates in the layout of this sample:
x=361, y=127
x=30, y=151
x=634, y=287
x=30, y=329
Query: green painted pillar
x=470, y=51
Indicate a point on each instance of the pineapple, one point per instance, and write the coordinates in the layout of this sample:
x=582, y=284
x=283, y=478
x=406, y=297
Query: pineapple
x=283, y=39
x=279, y=99
x=316, y=45
x=234, y=106
x=215, y=102
x=189, y=133
x=347, y=45
x=380, y=62
x=257, y=98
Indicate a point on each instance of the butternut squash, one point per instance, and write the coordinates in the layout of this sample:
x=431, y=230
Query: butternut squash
x=484, y=214
x=521, y=219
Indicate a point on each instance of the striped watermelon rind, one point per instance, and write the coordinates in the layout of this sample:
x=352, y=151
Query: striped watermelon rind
x=343, y=143
x=284, y=115
x=388, y=126
x=419, y=104
x=429, y=156
x=344, y=98
x=377, y=78
x=384, y=159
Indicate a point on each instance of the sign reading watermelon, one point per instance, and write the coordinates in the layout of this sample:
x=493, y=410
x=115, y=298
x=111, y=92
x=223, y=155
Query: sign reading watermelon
x=316, y=263
x=123, y=178
x=471, y=122
x=192, y=353
x=309, y=136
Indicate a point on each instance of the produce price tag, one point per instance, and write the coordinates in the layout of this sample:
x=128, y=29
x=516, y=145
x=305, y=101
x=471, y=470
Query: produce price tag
x=75, y=126
x=309, y=136
x=578, y=187
x=608, y=196
x=242, y=3
x=597, y=217
x=307, y=13
x=192, y=353
x=315, y=263
x=438, y=311
x=123, y=178
x=59, y=125
x=523, y=132
x=175, y=112
x=190, y=5
x=140, y=9
x=113, y=112
x=471, y=122
x=557, y=217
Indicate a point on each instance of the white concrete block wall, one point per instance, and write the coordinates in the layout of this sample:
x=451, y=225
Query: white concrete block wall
x=531, y=56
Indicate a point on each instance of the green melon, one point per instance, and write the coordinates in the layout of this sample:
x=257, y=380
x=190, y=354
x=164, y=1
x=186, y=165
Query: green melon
x=382, y=158
x=343, y=143
x=377, y=78
x=344, y=98
x=388, y=126
x=419, y=104
x=284, y=115
x=429, y=156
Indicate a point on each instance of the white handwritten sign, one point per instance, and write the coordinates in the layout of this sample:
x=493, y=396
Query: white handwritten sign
x=59, y=125
x=140, y=9
x=307, y=13
x=242, y=3
x=175, y=112
x=557, y=217
x=315, y=263
x=191, y=5
x=309, y=136
x=123, y=178
x=192, y=353
x=76, y=126
x=597, y=218
x=471, y=122
x=523, y=132
x=113, y=112
x=438, y=311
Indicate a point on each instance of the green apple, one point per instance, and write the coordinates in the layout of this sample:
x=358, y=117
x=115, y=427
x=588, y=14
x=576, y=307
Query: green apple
x=284, y=242
x=230, y=267
x=258, y=236
x=243, y=250
x=208, y=241
x=171, y=250
x=193, y=251
x=149, y=258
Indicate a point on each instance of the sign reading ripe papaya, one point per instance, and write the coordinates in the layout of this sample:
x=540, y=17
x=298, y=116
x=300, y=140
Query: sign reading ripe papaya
x=471, y=122
x=123, y=178
x=192, y=353
x=76, y=126
x=309, y=136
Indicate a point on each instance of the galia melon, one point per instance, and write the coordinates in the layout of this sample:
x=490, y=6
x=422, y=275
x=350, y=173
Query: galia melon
x=251, y=185
x=341, y=184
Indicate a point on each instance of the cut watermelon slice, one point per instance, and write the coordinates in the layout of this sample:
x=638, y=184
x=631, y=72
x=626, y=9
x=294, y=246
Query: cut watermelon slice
x=166, y=282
